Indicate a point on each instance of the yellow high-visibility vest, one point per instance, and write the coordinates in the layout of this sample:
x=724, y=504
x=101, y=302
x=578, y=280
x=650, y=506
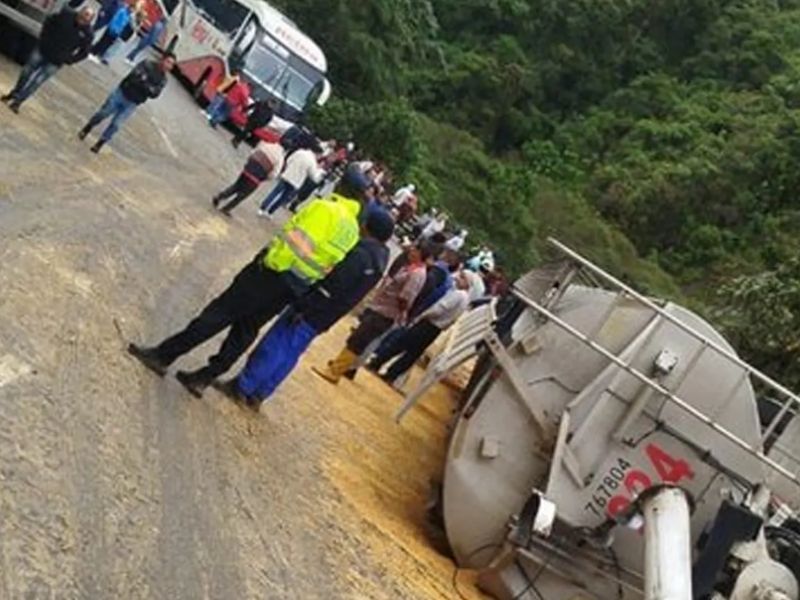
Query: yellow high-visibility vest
x=316, y=238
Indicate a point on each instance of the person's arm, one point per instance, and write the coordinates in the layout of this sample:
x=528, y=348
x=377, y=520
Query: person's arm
x=82, y=51
x=410, y=290
x=155, y=80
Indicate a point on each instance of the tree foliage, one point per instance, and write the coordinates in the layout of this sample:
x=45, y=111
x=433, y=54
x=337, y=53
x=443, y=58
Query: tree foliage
x=661, y=138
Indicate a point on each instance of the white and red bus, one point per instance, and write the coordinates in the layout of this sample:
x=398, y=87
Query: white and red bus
x=212, y=37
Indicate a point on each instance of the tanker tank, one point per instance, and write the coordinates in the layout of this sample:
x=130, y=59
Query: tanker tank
x=589, y=401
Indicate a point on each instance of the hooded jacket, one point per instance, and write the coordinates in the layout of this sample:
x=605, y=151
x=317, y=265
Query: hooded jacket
x=63, y=40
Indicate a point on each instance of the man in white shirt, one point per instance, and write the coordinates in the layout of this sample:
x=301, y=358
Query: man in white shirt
x=437, y=225
x=410, y=345
x=301, y=165
x=456, y=243
x=403, y=194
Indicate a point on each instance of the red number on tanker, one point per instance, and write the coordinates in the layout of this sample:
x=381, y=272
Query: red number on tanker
x=636, y=482
x=669, y=469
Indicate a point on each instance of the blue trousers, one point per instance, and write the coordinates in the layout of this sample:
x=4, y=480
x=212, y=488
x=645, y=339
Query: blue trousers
x=35, y=72
x=283, y=193
x=116, y=106
x=275, y=356
x=218, y=110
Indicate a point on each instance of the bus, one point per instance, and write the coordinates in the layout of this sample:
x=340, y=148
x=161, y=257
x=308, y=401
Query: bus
x=211, y=38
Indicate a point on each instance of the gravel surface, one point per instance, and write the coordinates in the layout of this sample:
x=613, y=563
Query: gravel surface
x=117, y=484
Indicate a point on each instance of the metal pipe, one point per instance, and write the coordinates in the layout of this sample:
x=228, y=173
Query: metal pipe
x=667, y=545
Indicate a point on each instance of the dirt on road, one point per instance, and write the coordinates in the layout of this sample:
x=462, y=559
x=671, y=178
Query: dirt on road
x=117, y=484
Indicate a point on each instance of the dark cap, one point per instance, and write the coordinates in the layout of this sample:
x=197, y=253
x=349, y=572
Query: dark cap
x=380, y=224
x=356, y=179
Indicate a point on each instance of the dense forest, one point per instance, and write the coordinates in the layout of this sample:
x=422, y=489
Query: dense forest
x=659, y=137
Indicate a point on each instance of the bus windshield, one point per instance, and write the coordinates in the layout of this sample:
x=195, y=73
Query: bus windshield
x=281, y=73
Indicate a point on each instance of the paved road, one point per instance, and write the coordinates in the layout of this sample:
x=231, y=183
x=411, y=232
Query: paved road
x=113, y=483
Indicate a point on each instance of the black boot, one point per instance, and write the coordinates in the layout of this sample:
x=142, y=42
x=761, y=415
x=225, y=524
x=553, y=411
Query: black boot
x=216, y=201
x=195, y=381
x=14, y=106
x=6, y=98
x=149, y=358
x=84, y=132
x=231, y=389
x=97, y=145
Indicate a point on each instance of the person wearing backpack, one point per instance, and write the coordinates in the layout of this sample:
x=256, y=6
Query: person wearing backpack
x=145, y=82
x=116, y=26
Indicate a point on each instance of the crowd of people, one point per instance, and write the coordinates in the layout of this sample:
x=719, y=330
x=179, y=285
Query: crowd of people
x=67, y=38
x=327, y=257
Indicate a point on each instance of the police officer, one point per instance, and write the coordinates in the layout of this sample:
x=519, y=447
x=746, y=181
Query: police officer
x=307, y=248
x=280, y=349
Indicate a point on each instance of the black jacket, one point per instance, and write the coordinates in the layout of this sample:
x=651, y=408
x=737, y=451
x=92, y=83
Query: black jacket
x=144, y=82
x=63, y=41
x=259, y=115
x=345, y=286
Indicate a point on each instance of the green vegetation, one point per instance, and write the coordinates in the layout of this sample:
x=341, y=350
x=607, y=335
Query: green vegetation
x=659, y=138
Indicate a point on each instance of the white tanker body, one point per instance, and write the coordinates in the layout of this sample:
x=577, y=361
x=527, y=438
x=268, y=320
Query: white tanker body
x=594, y=400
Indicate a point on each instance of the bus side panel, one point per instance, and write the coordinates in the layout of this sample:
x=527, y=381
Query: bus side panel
x=211, y=69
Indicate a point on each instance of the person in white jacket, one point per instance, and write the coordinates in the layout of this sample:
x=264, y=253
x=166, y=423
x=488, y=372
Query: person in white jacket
x=411, y=344
x=300, y=165
x=456, y=243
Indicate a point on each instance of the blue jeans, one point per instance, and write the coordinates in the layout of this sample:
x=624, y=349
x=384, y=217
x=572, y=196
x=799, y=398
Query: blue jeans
x=35, y=72
x=275, y=356
x=283, y=193
x=218, y=110
x=116, y=106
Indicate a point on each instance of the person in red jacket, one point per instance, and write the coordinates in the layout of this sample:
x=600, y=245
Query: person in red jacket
x=237, y=97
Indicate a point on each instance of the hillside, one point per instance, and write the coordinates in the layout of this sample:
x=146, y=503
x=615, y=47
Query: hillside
x=659, y=138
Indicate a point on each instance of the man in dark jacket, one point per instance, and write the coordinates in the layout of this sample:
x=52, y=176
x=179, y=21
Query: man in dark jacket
x=259, y=114
x=146, y=81
x=65, y=39
x=313, y=314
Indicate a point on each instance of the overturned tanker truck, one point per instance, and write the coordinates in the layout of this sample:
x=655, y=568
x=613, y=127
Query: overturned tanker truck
x=613, y=446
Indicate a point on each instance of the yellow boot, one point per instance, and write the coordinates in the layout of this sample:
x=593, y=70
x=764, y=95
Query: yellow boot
x=338, y=366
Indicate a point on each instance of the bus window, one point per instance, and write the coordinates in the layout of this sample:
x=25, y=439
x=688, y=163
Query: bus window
x=244, y=43
x=170, y=5
x=226, y=15
x=265, y=65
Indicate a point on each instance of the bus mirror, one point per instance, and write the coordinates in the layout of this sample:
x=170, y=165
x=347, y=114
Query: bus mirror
x=325, y=93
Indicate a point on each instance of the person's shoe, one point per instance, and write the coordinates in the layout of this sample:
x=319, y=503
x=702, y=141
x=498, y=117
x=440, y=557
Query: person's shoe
x=84, y=132
x=194, y=381
x=216, y=200
x=149, y=358
x=104, y=61
x=94, y=59
x=14, y=106
x=97, y=145
x=264, y=214
x=226, y=212
x=350, y=374
x=372, y=367
x=129, y=62
x=6, y=98
x=235, y=142
x=230, y=389
x=337, y=367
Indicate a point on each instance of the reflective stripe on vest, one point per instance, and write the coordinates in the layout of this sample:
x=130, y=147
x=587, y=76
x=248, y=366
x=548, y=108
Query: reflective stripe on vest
x=303, y=248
